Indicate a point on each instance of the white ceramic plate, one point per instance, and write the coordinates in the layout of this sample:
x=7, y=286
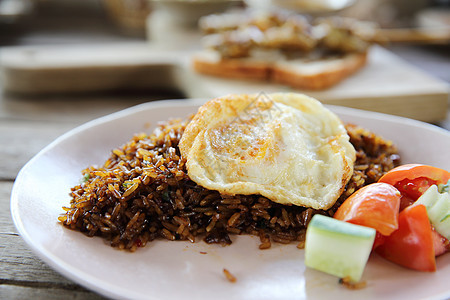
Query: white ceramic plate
x=175, y=270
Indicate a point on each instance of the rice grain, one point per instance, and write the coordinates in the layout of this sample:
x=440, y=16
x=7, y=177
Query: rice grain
x=142, y=193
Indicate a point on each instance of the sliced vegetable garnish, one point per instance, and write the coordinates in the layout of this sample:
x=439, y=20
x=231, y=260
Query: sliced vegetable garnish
x=413, y=180
x=375, y=205
x=441, y=244
x=412, y=245
x=85, y=178
x=338, y=248
x=438, y=209
x=443, y=188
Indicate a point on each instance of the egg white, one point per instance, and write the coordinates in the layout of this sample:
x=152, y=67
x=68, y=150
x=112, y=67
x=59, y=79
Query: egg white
x=287, y=147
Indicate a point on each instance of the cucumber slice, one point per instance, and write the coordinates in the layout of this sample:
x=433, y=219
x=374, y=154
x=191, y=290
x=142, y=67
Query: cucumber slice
x=337, y=247
x=444, y=188
x=428, y=198
x=438, y=209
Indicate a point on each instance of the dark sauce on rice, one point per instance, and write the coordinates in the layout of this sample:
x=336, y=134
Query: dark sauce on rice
x=143, y=193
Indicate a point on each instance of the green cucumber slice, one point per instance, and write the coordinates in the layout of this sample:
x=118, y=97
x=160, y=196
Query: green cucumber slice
x=337, y=247
x=438, y=209
x=444, y=188
x=428, y=198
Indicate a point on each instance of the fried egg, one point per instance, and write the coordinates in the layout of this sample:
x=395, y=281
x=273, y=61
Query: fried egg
x=284, y=146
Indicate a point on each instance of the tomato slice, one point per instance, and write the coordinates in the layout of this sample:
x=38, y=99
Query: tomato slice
x=441, y=244
x=405, y=201
x=412, y=244
x=375, y=205
x=379, y=240
x=413, y=180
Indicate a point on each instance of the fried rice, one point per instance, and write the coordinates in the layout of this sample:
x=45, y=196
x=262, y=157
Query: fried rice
x=143, y=192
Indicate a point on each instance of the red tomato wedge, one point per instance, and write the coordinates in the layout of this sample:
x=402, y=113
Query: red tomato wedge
x=413, y=180
x=375, y=205
x=379, y=240
x=411, y=245
x=441, y=244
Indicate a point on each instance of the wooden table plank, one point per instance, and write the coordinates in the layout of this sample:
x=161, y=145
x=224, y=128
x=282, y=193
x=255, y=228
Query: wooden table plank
x=22, y=140
x=74, y=108
x=19, y=266
x=43, y=292
x=6, y=225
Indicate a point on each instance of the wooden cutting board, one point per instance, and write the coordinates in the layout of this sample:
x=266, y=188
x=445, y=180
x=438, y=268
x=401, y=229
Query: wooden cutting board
x=387, y=84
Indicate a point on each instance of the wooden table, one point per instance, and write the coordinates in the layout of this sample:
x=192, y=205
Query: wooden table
x=27, y=124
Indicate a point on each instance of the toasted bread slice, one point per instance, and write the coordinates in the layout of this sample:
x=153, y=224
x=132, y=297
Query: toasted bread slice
x=211, y=63
x=317, y=74
x=298, y=73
